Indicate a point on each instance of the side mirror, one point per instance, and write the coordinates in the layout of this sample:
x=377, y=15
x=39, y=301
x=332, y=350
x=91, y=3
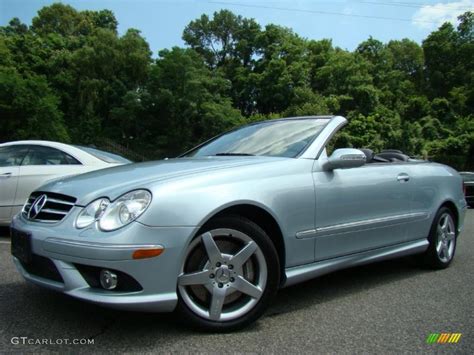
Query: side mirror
x=344, y=159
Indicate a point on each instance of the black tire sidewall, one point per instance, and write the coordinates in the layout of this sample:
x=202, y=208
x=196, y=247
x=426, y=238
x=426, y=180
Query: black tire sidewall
x=273, y=277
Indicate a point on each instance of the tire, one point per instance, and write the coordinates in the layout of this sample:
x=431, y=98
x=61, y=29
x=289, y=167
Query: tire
x=227, y=288
x=442, y=239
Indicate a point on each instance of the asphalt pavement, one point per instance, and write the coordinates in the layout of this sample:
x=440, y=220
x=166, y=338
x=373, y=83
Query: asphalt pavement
x=389, y=307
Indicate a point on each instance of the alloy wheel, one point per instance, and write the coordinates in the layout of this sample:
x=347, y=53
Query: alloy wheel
x=224, y=275
x=446, y=238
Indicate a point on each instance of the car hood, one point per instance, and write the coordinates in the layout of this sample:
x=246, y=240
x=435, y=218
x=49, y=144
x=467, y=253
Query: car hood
x=114, y=181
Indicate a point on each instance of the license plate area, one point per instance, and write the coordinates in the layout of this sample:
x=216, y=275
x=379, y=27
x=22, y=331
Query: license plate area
x=21, y=245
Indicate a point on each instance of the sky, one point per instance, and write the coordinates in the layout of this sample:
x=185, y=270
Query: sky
x=346, y=22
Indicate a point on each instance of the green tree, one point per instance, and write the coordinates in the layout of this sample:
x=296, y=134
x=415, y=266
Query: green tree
x=70, y=76
x=182, y=103
x=28, y=108
x=347, y=76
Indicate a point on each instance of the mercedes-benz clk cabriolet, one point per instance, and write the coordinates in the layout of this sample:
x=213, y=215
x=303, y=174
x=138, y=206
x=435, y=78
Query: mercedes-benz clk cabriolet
x=214, y=233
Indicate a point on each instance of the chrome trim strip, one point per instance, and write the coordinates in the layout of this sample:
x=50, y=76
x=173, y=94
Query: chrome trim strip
x=103, y=245
x=55, y=200
x=306, y=272
x=49, y=210
x=336, y=228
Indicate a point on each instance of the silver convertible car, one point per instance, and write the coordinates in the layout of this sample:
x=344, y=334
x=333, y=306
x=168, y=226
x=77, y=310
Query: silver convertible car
x=216, y=232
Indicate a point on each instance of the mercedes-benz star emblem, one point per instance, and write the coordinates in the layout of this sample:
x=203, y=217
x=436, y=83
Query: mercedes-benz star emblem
x=223, y=275
x=37, y=206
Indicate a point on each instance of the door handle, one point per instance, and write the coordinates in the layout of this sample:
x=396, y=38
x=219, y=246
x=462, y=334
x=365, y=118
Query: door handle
x=5, y=175
x=403, y=178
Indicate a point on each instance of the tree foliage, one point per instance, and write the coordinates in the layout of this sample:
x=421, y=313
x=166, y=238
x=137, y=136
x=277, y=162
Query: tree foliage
x=70, y=76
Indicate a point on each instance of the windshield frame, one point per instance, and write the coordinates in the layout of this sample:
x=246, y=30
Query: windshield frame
x=299, y=118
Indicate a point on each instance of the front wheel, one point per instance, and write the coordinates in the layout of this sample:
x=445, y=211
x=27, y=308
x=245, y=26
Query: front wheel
x=442, y=240
x=229, y=275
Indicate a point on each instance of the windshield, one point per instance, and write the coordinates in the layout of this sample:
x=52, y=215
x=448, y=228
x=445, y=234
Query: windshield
x=105, y=156
x=278, y=138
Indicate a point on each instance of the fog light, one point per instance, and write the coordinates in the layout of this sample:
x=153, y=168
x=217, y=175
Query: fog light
x=108, y=279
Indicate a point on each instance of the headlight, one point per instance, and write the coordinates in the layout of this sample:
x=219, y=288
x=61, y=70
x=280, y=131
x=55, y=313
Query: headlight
x=91, y=213
x=125, y=209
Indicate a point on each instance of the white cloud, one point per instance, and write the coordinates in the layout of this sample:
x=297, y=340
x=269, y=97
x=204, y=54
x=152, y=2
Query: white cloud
x=432, y=16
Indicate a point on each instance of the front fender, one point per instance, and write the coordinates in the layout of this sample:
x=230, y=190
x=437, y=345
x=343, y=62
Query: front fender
x=284, y=189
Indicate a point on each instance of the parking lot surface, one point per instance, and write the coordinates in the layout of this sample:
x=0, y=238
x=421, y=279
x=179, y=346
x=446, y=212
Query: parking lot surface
x=389, y=307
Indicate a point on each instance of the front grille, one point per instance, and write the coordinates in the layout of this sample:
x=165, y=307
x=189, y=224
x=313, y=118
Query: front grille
x=53, y=209
x=43, y=267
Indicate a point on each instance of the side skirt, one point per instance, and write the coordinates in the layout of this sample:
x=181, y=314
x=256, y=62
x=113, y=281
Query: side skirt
x=306, y=272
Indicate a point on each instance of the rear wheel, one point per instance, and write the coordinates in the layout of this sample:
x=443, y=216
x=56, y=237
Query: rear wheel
x=229, y=275
x=442, y=240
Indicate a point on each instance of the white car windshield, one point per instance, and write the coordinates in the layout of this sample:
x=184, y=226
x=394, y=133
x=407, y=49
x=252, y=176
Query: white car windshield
x=279, y=138
x=105, y=156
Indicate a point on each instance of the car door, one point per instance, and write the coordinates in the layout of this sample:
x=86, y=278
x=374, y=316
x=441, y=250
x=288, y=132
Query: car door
x=10, y=160
x=424, y=197
x=42, y=164
x=360, y=208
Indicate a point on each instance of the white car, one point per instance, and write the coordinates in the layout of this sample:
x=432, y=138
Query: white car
x=26, y=165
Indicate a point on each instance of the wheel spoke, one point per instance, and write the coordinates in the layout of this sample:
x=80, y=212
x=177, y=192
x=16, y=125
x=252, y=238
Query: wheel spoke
x=246, y=287
x=444, y=224
x=195, y=278
x=213, y=252
x=243, y=255
x=440, y=231
x=445, y=251
x=450, y=236
x=439, y=247
x=217, y=301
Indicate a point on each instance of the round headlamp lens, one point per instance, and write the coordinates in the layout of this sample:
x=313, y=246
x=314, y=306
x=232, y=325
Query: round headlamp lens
x=125, y=210
x=124, y=214
x=91, y=213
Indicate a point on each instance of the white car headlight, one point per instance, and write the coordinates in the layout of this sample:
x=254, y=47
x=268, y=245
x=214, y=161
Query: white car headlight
x=92, y=212
x=125, y=209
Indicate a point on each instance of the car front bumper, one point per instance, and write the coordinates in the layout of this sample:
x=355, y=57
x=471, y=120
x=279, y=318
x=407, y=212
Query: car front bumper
x=68, y=250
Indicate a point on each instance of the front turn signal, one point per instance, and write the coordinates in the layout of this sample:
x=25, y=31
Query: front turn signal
x=147, y=253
